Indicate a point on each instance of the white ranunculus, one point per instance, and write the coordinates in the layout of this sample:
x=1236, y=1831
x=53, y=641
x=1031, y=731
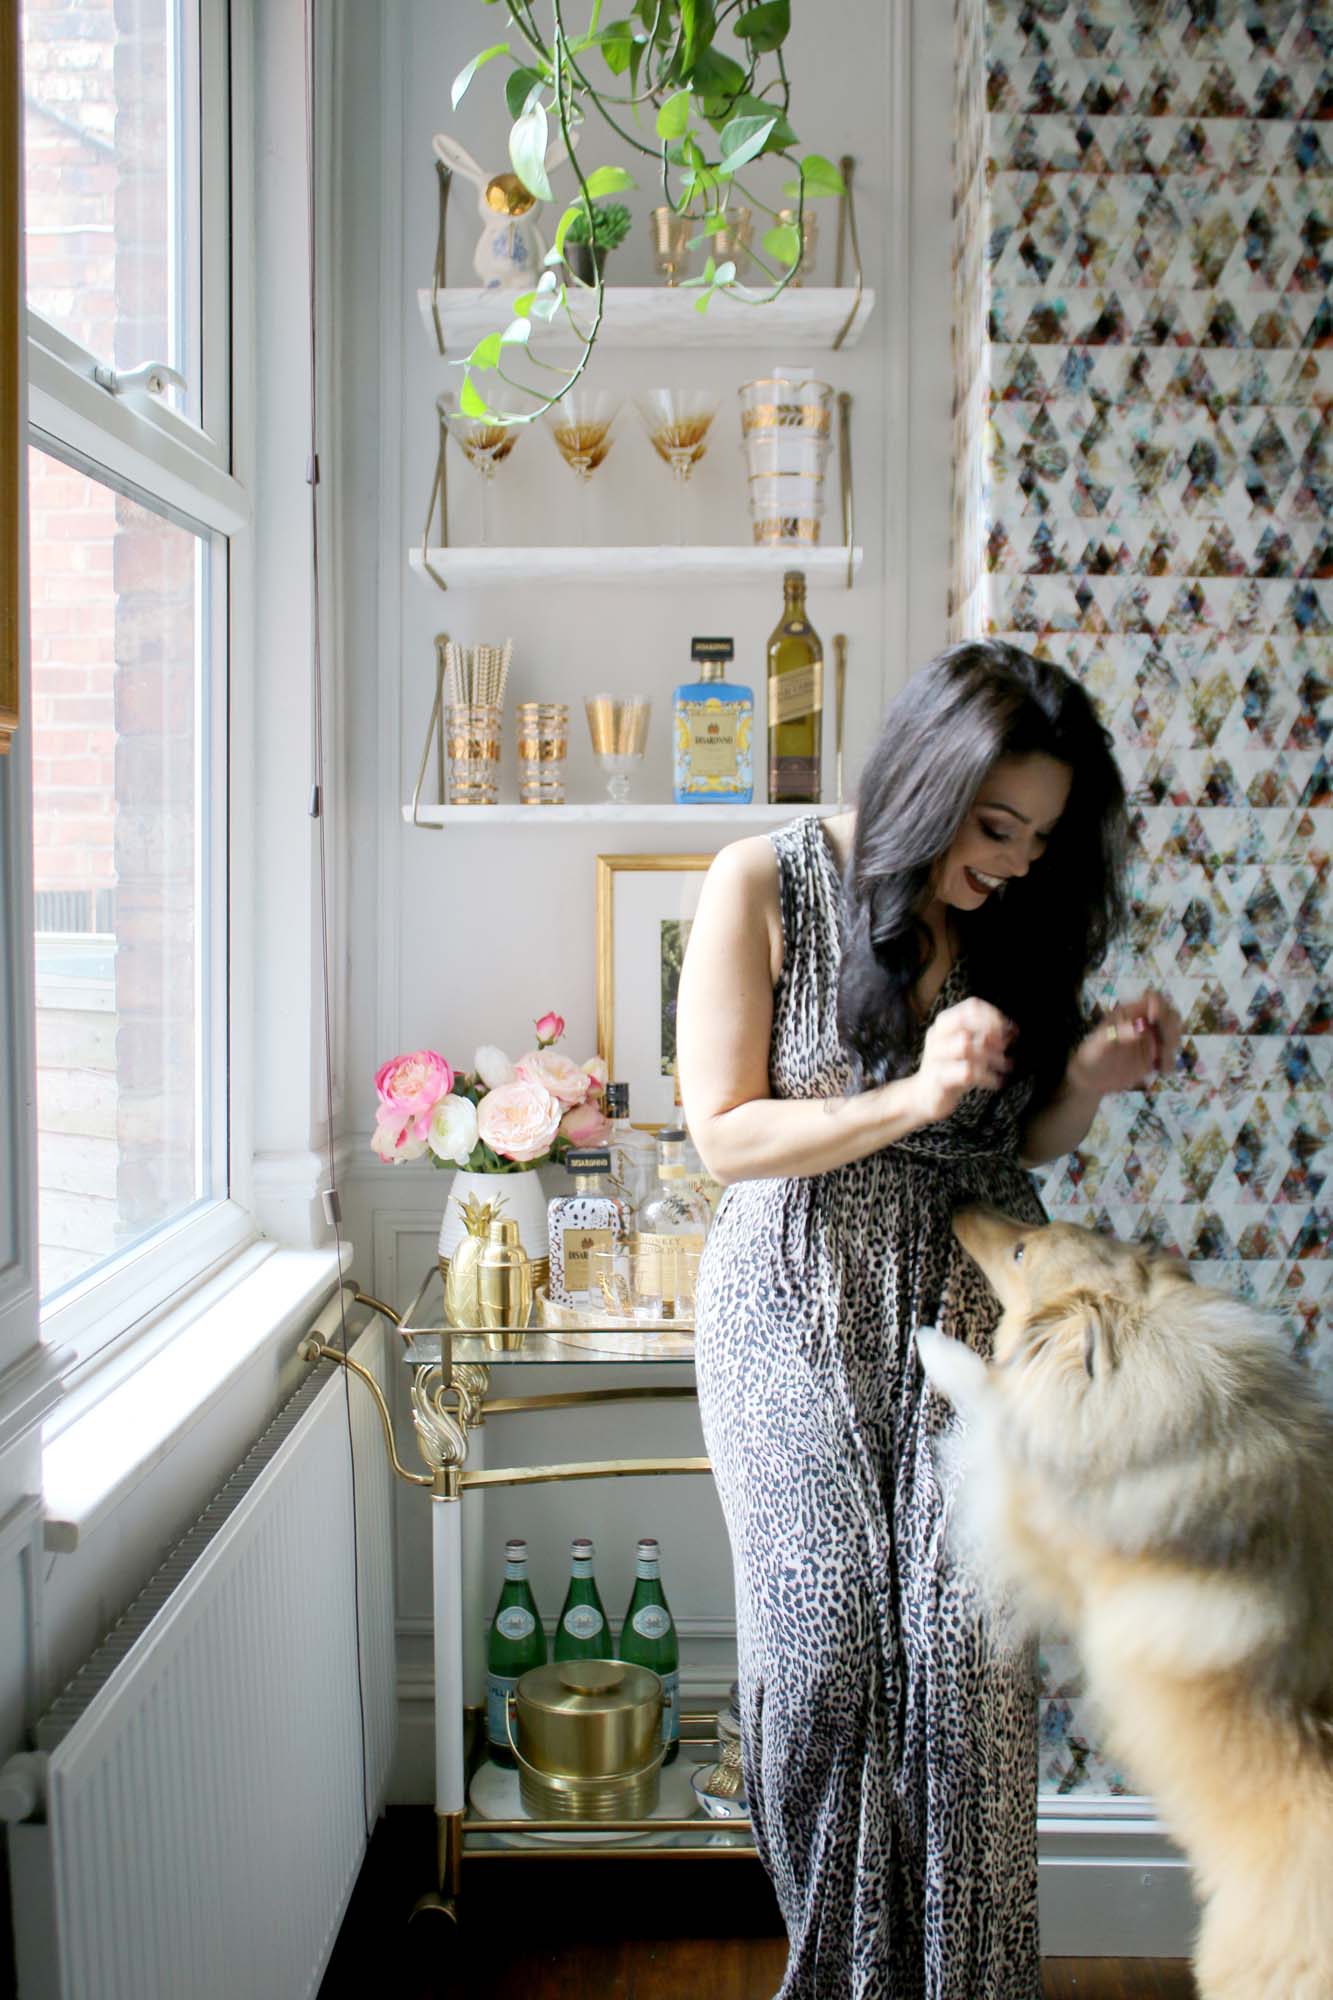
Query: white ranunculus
x=493, y=1066
x=453, y=1130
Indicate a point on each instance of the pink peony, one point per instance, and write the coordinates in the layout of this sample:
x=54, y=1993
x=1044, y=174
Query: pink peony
x=556, y=1073
x=394, y=1141
x=549, y=1029
x=410, y=1087
x=519, y=1120
x=597, y=1070
x=586, y=1125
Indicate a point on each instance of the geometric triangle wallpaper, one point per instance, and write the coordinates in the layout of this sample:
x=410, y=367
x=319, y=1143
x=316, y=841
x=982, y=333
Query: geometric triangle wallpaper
x=1143, y=464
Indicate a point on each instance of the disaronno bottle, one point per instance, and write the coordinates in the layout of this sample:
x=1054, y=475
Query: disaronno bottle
x=795, y=701
x=516, y=1643
x=714, y=724
x=648, y=1638
x=582, y=1633
x=673, y=1222
x=592, y=1217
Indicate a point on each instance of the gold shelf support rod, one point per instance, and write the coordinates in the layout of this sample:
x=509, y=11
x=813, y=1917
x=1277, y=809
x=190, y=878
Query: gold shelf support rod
x=443, y=175
x=601, y=1826
x=313, y=1349
x=595, y=1468
x=439, y=491
x=568, y=1399
x=845, y=479
x=435, y=740
x=846, y=228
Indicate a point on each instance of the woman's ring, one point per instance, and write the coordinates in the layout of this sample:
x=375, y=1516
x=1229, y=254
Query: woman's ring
x=1112, y=1031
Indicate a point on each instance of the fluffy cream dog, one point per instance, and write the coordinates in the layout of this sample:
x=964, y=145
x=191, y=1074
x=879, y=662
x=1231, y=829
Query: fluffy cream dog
x=1144, y=1464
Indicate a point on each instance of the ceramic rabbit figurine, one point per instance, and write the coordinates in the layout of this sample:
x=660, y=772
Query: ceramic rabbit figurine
x=509, y=251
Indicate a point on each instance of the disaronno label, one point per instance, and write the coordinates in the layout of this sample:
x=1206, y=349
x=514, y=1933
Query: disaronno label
x=792, y=695
x=713, y=738
x=579, y=1245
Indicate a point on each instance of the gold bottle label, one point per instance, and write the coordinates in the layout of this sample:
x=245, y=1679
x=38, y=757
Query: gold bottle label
x=713, y=750
x=656, y=1267
x=578, y=1245
x=794, y=695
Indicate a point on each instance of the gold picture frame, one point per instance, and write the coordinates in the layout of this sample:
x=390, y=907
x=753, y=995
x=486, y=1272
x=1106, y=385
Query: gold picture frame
x=645, y=903
x=11, y=380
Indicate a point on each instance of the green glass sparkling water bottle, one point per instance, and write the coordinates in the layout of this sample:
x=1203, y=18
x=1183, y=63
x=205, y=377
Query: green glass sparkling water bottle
x=582, y=1633
x=516, y=1643
x=648, y=1639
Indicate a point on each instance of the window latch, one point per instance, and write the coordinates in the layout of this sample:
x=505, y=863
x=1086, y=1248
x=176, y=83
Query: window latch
x=154, y=376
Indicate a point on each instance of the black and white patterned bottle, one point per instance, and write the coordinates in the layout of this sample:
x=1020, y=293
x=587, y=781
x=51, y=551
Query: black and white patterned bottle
x=591, y=1218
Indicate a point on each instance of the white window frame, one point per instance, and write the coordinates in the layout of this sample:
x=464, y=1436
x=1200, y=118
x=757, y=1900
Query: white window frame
x=186, y=472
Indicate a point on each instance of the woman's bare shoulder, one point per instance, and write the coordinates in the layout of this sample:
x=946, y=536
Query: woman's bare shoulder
x=748, y=865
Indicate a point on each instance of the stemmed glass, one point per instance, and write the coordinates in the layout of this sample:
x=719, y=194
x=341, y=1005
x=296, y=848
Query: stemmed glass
x=618, y=727
x=677, y=422
x=581, y=424
x=485, y=445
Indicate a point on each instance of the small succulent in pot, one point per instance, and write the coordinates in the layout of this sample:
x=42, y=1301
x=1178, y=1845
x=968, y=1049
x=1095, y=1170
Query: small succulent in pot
x=610, y=226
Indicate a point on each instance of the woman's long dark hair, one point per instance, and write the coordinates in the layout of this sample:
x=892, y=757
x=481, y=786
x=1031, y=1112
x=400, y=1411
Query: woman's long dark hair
x=1029, y=952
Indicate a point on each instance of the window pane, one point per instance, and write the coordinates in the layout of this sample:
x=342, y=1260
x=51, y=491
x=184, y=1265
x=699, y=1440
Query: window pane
x=119, y=614
x=111, y=177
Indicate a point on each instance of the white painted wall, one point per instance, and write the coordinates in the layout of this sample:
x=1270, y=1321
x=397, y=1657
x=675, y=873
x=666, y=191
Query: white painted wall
x=462, y=937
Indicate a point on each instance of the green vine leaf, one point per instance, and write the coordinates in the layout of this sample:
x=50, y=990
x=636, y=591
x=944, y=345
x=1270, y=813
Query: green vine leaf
x=742, y=139
x=782, y=137
x=562, y=227
x=486, y=353
x=783, y=243
x=466, y=74
x=469, y=402
x=516, y=333
x=608, y=180
x=527, y=149
x=549, y=298
x=673, y=120
x=765, y=27
x=718, y=81
x=818, y=177
x=617, y=43
x=519, y=86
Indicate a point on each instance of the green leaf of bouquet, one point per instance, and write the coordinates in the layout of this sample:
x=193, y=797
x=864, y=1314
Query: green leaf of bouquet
x=783, y=243
x=673, y=120
x=469, y=402
x=742, y=139
x=609, y=180
x=519, y=86
x=469, y=70
x=527, y=150
x=765, y=27
x=486, y=353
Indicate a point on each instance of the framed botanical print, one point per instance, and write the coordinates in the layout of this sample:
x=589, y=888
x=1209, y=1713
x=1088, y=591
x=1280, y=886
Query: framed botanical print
x=645, y=905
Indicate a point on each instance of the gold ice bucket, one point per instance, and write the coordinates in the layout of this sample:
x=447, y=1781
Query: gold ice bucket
x=587, y=1735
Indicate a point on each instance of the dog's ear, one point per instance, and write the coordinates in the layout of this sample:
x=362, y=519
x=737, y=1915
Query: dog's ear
x=956, y=1371
x=1089, y=1317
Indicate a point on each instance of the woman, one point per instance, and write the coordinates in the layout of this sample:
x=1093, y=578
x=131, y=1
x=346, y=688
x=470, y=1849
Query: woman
x=880, y=1019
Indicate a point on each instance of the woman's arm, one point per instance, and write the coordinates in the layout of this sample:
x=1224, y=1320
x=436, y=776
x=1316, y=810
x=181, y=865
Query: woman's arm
x=1138, y=1039
x=724, y=1024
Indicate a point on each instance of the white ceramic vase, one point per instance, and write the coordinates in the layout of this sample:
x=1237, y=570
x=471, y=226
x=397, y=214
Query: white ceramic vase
x=524, y=1203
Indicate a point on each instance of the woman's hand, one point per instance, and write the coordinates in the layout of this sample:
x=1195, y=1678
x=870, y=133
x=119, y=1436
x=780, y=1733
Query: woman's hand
x=1138, y=1039
x=965, y=1049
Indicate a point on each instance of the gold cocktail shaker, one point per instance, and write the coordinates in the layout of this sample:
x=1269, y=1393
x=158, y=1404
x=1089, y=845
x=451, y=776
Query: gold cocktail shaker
x=504, y=1285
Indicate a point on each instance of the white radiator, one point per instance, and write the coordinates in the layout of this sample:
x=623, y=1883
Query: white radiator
x=203, y=1820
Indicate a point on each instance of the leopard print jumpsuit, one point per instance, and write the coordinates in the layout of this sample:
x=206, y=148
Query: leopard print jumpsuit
x=891, y=1762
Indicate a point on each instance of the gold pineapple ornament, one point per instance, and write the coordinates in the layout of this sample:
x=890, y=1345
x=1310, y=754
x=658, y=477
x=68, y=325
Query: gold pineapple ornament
x=462, y=1297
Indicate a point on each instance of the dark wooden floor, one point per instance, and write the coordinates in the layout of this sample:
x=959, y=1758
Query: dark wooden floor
x=614, y=1930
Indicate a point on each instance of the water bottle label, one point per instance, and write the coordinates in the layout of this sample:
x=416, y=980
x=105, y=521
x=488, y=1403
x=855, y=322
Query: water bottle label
x=498, y=1689
x=652, y=1621
x=670, y=1707
x=583, y=1621
x=515, y=1622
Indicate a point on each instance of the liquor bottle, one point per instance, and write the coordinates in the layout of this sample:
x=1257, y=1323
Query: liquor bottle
x=714, y=731
x=672, y=1224
x=592, y=1217
x=633, y=1153
x=582, y=1632
x=648, y=1639
x=515, y=1644
x=795, y=701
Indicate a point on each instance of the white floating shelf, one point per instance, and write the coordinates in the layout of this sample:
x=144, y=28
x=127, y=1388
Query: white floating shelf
x=606, y=815
x=805, y=316
x=673, y=563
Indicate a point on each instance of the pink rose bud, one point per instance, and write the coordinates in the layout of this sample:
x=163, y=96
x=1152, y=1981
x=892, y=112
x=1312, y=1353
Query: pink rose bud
x=549, y=1029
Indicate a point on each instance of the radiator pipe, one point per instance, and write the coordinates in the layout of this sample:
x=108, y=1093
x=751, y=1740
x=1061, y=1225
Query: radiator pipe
x=23, y=1788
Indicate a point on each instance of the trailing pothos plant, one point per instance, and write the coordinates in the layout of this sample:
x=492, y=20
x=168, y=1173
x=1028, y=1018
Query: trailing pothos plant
x=660, y=81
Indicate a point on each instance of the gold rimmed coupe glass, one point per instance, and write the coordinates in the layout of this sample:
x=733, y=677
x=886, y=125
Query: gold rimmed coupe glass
x=678, y=422
x=618, y=726
x=485, y=445
x=582, y=425
x=672, y=235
